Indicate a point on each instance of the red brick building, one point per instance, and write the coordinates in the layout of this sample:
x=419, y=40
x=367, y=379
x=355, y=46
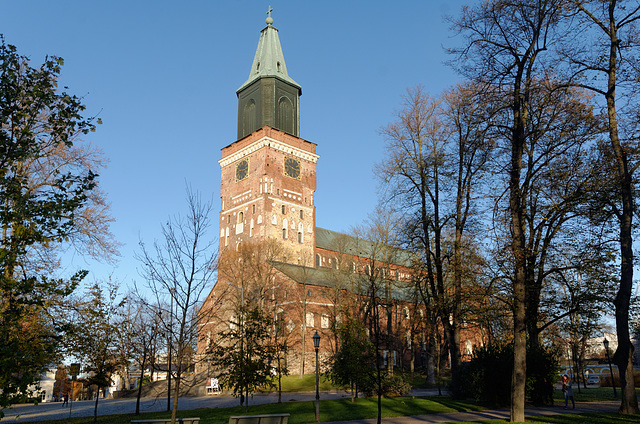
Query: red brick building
x=267, y=193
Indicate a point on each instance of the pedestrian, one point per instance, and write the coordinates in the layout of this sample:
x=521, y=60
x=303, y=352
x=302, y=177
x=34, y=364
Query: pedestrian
x=65, y=401
x=568, y=392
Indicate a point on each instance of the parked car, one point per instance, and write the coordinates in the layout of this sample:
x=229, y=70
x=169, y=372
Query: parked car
x=594, y=379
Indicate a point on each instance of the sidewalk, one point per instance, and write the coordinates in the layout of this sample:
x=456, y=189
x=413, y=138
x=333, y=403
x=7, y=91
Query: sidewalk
x=50, y=411
x=500, y=414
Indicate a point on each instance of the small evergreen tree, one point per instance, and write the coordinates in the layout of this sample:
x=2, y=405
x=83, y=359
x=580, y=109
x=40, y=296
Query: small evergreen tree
x=244, y=353
x=354, y=364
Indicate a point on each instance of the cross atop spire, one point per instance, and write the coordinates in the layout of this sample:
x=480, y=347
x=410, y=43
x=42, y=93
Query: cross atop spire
x=269, y=18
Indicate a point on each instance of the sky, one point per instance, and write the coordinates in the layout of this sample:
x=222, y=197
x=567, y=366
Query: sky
x=162, y=77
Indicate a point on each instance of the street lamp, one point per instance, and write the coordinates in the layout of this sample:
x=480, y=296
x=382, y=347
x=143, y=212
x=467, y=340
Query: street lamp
x=605, y=342
x=316, y=344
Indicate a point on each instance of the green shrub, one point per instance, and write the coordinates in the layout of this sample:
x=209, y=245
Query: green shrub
x=488, y=374
x=392, y=385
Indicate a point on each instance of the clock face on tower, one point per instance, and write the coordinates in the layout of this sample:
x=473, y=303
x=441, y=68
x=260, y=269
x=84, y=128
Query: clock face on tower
x=242, y=169
x=292, y=168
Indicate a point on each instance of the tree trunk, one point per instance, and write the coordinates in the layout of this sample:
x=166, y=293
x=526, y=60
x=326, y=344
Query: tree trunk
x=144, y=362
x=624, y=354
x=519, y=376
x=95, y=407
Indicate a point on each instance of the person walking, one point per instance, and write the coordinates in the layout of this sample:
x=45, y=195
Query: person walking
x=568, y=392
x=65, y=401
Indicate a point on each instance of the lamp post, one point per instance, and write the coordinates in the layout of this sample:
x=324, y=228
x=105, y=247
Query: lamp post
x=605, y=342
x=316, y=345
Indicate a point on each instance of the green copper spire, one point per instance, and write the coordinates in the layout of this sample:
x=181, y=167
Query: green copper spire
x=269, y=96
x=269, y=60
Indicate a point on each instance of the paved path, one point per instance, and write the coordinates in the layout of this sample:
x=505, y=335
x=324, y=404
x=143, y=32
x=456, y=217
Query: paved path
x=500, y=414
x=54, y=410
x=50, y=411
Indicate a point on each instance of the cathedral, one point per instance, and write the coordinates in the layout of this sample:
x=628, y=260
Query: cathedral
x=268, y=183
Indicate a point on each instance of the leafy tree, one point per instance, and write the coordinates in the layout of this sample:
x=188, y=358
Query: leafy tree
x=354, y=364
x=94, y=335
x=46, y=198
x=244, y=353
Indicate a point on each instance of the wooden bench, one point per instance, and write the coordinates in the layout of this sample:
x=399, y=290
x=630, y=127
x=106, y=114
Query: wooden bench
x=167, y=421
x=260, y=419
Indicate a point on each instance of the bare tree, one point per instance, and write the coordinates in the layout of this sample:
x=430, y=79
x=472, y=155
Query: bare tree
x=604, y=59
x=377, y=249
x=505, y=42
x=247, y=288
x=436, y=155
x=179, y=270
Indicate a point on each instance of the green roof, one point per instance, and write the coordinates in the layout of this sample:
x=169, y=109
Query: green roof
x=269, y=59
x=351, y=245
x=334, y=279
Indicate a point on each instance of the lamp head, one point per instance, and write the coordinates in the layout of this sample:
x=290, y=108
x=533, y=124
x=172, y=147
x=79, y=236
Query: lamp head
x=316, y=340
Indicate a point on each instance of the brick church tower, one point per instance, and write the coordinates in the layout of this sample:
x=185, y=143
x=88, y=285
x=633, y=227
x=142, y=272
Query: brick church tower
x=269, y=174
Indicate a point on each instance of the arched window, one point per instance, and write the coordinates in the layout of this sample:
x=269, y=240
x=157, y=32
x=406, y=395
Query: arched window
x=284, y=228
x=240, y=223
x=317, y=260
x=285, y=115
x=299, y=237
x=301, y=214
x=249, y=117
x=284, y=210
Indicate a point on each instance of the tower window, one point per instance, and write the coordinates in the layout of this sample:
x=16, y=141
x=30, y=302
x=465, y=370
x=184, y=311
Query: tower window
x=299, y=237
x=254, y=209
x=301, y=214
x=285, y=115
x=283, y=209
x=250, y=120
x=284, y=233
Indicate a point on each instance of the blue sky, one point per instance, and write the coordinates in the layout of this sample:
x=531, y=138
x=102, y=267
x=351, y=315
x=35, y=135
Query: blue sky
x=162, y=75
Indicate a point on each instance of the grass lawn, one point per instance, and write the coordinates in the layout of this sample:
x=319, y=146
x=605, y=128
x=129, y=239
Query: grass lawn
x=293, y=383
x=343, y=409
x=302, y=412
x=570, y=419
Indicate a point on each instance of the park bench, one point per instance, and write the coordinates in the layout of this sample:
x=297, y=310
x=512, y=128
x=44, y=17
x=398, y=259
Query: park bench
x=260, y=419
x=167, y=421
